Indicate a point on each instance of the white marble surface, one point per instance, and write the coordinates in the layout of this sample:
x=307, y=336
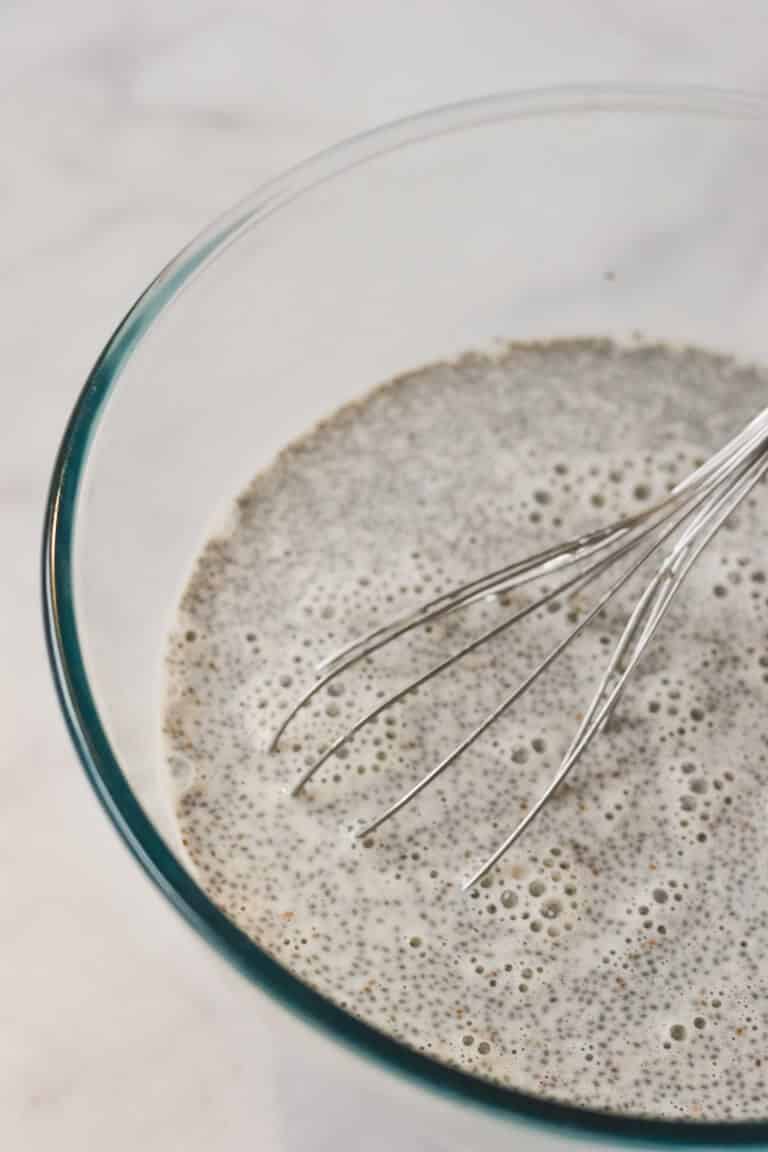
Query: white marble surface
x=126, y=126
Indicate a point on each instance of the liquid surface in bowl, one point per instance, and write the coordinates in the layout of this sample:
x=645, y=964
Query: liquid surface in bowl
x=617, y=958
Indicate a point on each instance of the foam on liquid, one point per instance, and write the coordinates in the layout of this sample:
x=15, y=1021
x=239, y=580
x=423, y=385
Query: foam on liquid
x=618, y=956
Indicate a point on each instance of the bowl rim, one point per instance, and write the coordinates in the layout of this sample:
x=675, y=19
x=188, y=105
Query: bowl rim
x=66, y=657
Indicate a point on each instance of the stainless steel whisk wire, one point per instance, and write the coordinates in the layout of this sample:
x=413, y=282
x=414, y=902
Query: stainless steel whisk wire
x=696, y=508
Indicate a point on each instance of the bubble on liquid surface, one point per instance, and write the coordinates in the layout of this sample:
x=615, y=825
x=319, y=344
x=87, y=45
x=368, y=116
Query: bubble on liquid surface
x=624, y=968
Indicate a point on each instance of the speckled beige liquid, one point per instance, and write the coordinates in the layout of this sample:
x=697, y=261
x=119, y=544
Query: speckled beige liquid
x=617, y=958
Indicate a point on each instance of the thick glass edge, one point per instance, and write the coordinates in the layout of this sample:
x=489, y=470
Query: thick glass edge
x=71, y=681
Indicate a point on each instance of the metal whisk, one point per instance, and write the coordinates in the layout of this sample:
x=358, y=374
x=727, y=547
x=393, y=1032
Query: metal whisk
x=687, y=519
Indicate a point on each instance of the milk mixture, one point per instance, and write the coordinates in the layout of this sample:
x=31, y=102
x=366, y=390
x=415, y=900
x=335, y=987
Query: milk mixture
x=618, y=957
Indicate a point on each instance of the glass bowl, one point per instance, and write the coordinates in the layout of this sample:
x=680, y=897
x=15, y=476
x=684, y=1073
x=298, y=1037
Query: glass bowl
x=519, y=216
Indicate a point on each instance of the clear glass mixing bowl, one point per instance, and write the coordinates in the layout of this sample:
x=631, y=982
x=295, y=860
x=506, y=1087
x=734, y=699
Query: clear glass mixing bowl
x=521, y=216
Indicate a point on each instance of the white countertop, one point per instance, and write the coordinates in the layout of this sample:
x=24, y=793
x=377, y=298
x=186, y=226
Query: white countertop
x=126, y=127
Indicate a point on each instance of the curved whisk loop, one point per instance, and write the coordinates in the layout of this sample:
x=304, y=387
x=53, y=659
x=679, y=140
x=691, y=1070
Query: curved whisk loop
x=687, y=519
